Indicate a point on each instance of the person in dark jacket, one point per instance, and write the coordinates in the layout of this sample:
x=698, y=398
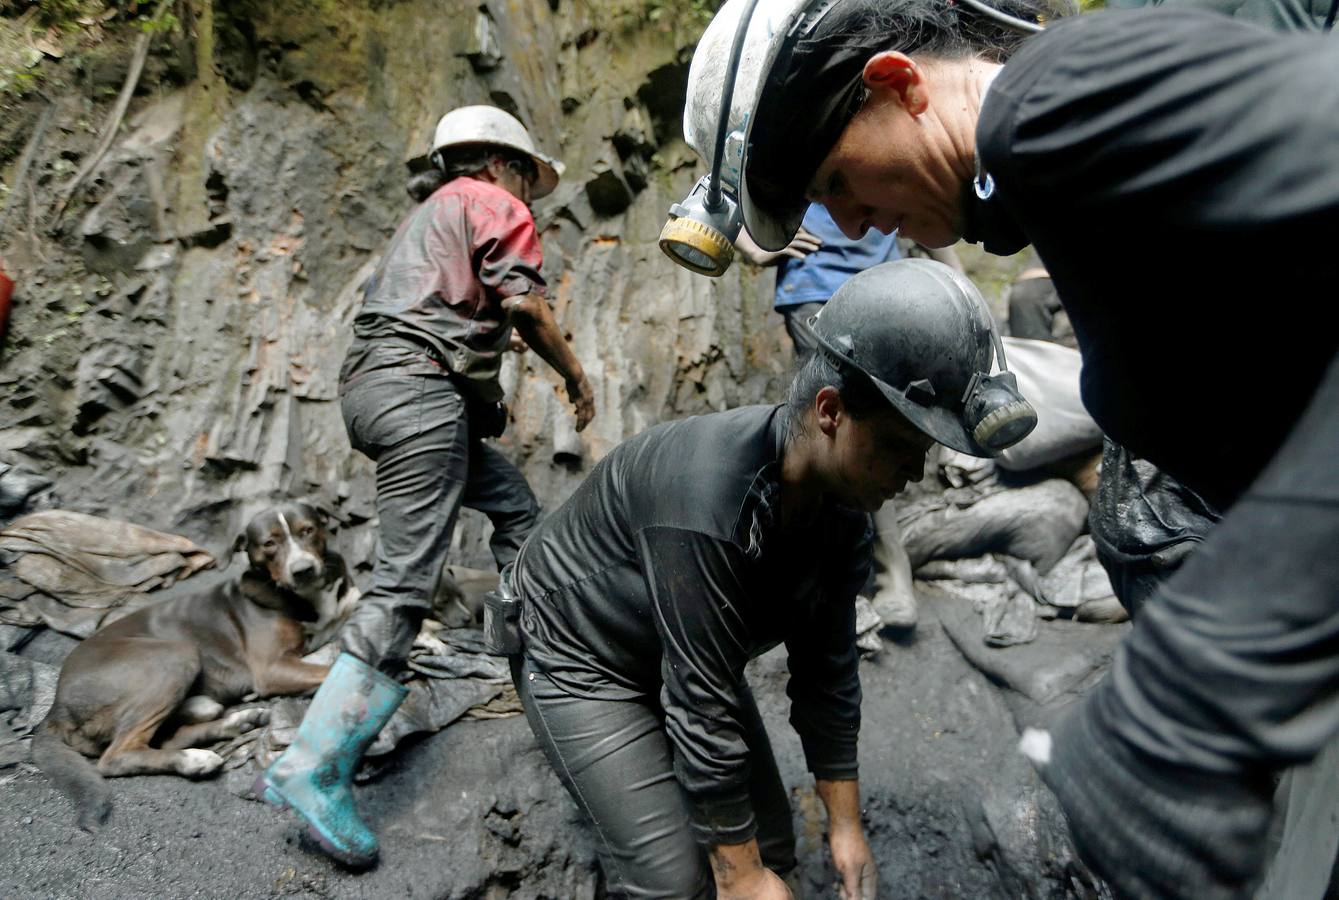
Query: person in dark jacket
x=699, y=544
x=419, y=392
x=1207, y=140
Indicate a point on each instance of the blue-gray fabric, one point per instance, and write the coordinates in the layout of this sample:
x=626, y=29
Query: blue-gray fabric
x=802, y=338
x=816, y=278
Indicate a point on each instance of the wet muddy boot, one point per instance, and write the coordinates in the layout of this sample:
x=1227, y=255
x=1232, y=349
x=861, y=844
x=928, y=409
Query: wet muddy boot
x=314, y=776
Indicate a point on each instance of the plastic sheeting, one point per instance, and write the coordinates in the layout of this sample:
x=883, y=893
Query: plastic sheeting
x=1048, y=376
x=1037, y=523
x=77, y=566
x=27, y=690
x=1017, y=553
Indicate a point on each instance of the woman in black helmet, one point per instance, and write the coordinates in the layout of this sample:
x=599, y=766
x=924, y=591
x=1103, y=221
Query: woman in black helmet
x=699, y=544
x=1208, y=151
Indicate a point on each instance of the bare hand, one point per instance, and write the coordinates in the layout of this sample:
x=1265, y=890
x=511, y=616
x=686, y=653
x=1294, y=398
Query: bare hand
x=762, y=884
x=800, y=246
x=851, y=857
x=583, y=401
x=516, y=343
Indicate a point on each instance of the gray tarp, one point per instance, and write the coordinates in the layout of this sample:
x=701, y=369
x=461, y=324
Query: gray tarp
x=1016, y=552
x=67, y=569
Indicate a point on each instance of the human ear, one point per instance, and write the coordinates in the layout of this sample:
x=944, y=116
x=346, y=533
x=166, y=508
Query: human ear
x=892, y=72
x=496, y=168
x=828, y=410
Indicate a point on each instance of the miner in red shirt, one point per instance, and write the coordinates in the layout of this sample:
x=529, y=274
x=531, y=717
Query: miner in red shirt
x=419, y=392
x=6, y=291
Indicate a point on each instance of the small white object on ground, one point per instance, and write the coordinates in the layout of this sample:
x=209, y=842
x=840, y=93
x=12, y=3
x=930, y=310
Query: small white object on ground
x=1035, y=744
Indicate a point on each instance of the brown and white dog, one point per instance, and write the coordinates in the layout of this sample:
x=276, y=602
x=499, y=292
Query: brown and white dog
x=167, y=671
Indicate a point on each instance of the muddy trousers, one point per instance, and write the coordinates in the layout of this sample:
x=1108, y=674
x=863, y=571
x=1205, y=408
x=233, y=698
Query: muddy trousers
x=417, y=431
x=1230, y=674
x=614, y=758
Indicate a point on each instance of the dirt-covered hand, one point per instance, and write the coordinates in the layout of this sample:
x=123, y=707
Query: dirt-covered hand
x=800, y=246
x=764, y=884
x=851, y=856
x=583, y=401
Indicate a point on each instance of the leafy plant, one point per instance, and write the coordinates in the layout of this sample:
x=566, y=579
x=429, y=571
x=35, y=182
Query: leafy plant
x=159, y=24
x=17, y=83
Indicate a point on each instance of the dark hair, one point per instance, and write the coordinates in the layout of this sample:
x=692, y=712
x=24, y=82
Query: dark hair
x=815, y=372
x=424, y=184
x=941, y=29
x=455, y=162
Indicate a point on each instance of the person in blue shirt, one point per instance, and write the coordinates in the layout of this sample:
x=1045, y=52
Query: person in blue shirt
x=814, y=265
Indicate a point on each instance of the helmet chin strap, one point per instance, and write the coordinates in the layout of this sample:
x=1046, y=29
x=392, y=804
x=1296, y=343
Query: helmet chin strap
x=727, y=97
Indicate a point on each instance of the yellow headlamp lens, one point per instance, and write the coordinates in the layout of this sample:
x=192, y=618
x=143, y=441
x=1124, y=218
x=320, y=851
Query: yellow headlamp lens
x=696, y=246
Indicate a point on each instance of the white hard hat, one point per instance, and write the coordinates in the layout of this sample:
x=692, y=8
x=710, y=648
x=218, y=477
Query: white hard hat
x=799, y=81
x=473, y=125
x=771, y=19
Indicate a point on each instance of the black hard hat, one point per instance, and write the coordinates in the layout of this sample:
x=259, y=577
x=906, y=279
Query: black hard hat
x=921, y=333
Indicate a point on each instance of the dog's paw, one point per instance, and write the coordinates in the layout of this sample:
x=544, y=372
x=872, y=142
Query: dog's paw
x=198, y=763
x=200, y=709
x=93, y=807
x=244, y=720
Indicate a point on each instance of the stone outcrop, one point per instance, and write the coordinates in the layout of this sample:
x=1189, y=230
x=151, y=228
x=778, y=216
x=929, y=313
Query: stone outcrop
x=177, y=334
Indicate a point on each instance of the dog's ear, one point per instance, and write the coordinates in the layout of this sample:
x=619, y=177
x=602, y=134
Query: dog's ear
x=325, y=515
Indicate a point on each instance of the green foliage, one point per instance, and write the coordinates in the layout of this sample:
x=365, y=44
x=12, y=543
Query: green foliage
x=64, y=14
x=15, y=84
x=158, y=24
x=696, y=13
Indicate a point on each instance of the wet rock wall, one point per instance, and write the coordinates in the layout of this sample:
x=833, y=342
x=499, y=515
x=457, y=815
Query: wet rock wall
x=176, y=340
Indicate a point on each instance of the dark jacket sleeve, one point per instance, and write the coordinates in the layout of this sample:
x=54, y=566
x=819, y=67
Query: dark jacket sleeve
x=1148, y=114
x=696, y=593
x=824, y=666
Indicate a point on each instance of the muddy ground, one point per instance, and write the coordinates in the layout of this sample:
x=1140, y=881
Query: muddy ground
x=474, y=812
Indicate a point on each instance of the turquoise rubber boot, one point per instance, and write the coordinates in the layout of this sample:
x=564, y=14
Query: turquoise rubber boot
x=314, y=776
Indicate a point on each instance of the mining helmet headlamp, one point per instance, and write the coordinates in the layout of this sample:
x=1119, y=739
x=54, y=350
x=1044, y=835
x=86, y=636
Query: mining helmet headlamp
x=700, y=233
x=700, y=237
x=797, y=93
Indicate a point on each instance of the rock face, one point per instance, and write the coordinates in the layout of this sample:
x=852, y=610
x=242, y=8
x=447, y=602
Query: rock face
x=177, y=336
x=172, y=360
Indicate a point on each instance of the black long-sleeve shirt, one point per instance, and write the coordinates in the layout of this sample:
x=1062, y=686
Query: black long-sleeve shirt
x=1176, y=172
x=665, y=573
